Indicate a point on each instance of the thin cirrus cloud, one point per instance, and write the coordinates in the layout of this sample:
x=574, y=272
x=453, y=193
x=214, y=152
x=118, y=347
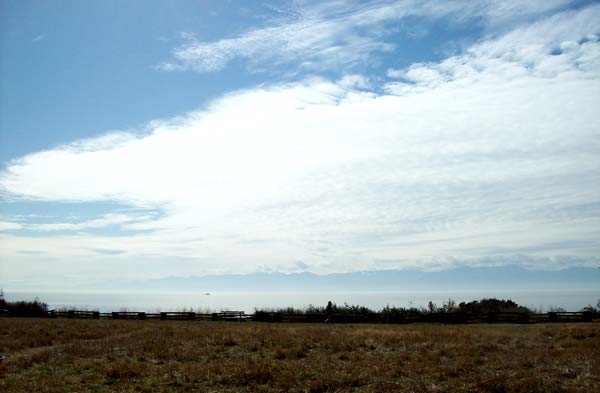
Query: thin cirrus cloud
x=38, y=38
x=489, y=155
x=106, y=220
x=544, y=49
x=339, y=34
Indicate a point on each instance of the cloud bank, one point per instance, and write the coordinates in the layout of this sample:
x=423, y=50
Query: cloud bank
x=489, y=156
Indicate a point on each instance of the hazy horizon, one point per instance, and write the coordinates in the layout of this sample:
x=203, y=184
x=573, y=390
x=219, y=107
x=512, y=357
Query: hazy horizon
x=462, y=279
x=141, y=141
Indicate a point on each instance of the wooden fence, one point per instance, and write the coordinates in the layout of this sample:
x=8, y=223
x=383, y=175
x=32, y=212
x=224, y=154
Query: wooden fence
x=449, y=318
x=261, y=316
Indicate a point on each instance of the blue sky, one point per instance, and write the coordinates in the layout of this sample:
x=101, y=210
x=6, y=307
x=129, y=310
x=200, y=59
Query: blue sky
x=153, y=138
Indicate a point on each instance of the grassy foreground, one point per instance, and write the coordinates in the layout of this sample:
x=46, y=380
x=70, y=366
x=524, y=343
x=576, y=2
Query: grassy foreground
x=104, y=355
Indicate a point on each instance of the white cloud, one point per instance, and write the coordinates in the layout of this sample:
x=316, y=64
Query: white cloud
x=493, y=152
x=104, y=221
x=38, y=38
x=555, y=46
x=393, y=73
x=354, y=81
x=338, y=34
x=9, y=226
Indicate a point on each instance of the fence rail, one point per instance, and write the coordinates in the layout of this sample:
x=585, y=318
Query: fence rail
x=262, y=316
x=236, y=316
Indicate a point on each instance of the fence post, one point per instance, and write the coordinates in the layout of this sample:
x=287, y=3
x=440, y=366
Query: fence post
x=115, y=315
x=586, y=316
x=523, y=318
x=96, y=315
x=142, y=315
x=163, y=316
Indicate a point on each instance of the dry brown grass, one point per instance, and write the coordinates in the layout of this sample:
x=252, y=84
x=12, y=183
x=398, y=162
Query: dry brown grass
x=146, y=356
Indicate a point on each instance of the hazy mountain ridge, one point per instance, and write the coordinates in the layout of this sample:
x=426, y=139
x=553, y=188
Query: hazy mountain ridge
x=461, y=278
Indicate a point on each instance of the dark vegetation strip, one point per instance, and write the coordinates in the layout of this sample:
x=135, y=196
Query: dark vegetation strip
x=482, y=311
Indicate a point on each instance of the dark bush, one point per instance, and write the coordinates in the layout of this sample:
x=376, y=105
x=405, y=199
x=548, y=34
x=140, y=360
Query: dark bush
x=491, y=306
x=450, y=312
x=24, y=308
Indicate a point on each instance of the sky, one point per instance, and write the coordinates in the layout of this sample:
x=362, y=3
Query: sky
x=147, y=139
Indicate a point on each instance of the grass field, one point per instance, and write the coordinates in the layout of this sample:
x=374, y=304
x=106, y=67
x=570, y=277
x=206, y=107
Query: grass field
x=103, y=355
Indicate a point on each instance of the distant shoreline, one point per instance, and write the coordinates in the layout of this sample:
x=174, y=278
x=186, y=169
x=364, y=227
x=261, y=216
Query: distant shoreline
x=486, y=310
x=540, y=301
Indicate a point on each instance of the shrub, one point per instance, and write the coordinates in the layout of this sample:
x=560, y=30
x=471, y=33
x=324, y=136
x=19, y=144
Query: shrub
x=485, y=306
x=24, y=307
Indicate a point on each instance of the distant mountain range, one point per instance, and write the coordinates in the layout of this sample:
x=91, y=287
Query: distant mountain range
x=460, y=278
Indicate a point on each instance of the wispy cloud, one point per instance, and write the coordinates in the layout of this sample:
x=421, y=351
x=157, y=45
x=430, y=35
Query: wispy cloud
x=493, y=153
x=558, y=45
x=9, y=226
x=102, y=222
x=326, y=36
x=38, y=38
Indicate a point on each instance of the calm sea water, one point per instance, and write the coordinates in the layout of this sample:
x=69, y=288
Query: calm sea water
x=248, y=301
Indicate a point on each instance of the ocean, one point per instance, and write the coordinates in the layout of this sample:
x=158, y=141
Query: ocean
x=540, y=300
